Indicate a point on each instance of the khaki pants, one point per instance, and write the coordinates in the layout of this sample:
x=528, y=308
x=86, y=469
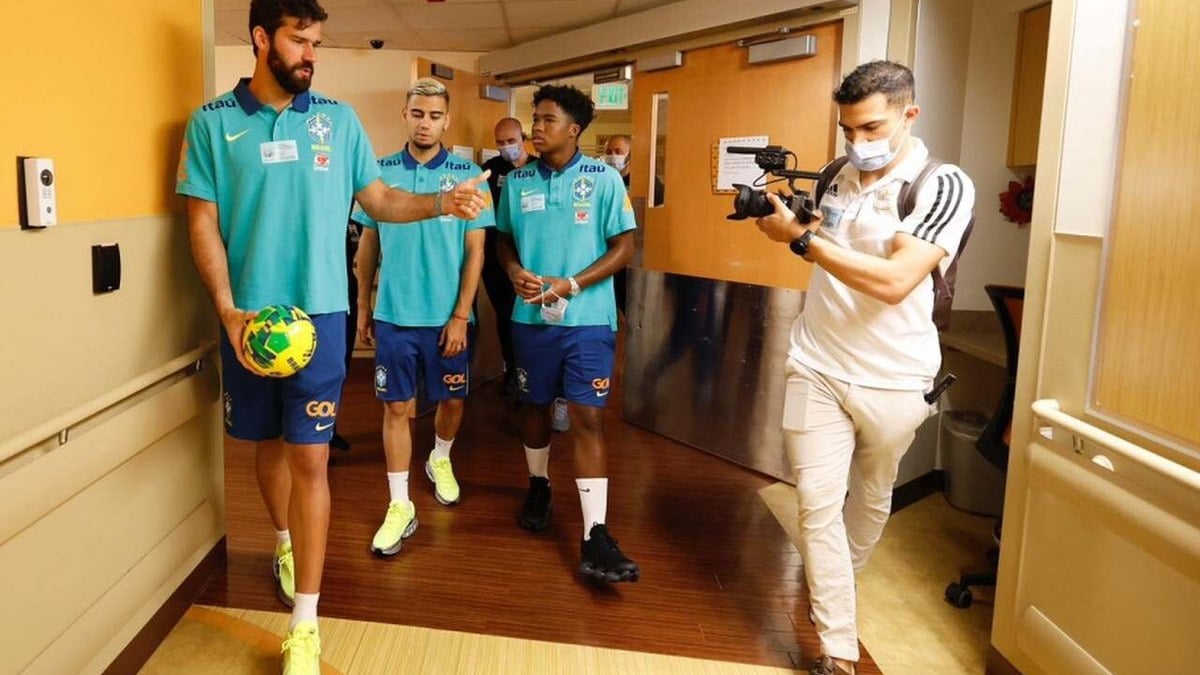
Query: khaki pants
x=845, y=443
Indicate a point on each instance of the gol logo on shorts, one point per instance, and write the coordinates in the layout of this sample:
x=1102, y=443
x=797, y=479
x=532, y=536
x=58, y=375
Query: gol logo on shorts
x=601, y=384
x=321, y=409
x=454, y=379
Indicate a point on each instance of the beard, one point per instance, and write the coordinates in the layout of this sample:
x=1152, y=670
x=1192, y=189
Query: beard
x=290, y=78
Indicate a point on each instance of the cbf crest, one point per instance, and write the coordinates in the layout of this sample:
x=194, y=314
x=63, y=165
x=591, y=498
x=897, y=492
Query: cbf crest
x=380, y=378
x=447, y=182
x=582, y=190
x=320, y=128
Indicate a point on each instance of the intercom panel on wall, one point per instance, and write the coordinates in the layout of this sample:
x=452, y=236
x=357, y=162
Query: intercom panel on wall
x=37, y=189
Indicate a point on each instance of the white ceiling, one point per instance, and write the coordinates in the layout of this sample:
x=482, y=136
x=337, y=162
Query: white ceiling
x=452, y=25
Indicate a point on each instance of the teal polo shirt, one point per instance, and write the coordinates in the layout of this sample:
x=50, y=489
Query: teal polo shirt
x=283, y=183
x=561, y=222
x=421, y=263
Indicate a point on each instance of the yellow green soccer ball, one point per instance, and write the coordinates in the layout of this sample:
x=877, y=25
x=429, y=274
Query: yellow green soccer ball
x=279, y=341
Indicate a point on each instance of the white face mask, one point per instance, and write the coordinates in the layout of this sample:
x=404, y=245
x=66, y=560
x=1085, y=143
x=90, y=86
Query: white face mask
x=554, y=312
x=617, y=162
x=874, y=155
x=510, y=153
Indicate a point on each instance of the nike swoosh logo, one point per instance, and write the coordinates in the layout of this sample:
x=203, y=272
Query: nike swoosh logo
x=602, y=395
x=526, y=193
x=323, y=427
x=459, y=387
x=585, y=489
x=229, y=138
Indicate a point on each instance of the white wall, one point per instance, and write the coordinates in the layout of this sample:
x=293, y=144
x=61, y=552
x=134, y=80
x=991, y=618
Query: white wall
x=998, y=249
x=940, y=68
x=373, y=82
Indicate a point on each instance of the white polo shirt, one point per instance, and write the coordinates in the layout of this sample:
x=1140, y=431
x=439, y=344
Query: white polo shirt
x=851, y=336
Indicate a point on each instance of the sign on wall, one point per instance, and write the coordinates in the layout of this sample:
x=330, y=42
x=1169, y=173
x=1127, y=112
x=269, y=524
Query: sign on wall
x=611, y=96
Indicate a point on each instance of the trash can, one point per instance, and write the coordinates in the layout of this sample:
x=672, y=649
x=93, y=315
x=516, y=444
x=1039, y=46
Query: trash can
x=972, y=484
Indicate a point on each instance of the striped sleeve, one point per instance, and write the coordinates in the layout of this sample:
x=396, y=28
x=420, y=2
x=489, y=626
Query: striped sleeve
x=943, y=210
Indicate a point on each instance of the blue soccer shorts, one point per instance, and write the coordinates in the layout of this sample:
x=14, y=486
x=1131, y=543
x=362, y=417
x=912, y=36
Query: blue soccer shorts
x=404, y=356
x=303, y=407
x=575, y=362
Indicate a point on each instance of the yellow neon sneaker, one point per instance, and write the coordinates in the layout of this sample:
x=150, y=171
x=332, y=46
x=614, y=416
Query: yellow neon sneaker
x=445, y=487
x=284, y=567
x=302, y=650
x=398, y=525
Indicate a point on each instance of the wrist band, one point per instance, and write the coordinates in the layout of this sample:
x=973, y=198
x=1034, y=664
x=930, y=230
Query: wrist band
x=437, y=204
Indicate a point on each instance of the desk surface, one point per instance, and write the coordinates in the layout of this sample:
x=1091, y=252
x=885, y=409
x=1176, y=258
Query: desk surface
x=978, y=336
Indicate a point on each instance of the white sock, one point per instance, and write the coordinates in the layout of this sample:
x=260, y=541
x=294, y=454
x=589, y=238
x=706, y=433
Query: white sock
x=441, y=448
x=282, y=537
x=398, y=486
x=593, y=497
x=538, y=460
x=305, y=609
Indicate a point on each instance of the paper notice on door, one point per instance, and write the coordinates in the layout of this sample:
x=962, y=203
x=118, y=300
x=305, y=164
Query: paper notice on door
x=732, y=168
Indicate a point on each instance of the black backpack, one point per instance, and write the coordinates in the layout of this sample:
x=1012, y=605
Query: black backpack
x=943, y=284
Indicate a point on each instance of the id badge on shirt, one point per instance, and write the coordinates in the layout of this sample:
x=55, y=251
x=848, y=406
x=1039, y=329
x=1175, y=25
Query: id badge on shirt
x=533, y=202
x=278, y=152
x=833, y=217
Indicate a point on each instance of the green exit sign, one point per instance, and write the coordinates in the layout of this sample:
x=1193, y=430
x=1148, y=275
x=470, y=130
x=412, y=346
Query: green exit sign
x=611, y=96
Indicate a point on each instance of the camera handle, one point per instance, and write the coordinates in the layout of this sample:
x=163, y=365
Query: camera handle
x=801, y=204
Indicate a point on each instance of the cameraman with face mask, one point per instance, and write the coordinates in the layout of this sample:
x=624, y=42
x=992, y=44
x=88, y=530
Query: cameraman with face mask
x=865, y=350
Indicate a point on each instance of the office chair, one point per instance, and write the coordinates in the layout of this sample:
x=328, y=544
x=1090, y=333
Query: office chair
x=1008, y=301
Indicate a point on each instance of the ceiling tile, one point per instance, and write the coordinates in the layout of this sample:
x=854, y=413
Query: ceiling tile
x=225, y=39
x=559, y=14
x=377, y=17
x=392, y=39
x=631, y=6
x=475, y=39
x=233, y=21
x=520, y=35
x=454, y=24
x=450, y=16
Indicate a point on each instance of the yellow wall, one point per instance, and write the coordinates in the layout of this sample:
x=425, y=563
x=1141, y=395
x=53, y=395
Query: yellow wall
x=108, y=100
x=136, y=488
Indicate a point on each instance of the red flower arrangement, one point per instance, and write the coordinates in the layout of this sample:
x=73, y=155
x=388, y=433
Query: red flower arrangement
x=1016, y=203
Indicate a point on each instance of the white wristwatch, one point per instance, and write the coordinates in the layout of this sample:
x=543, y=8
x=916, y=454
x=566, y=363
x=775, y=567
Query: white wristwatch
x=574, y=286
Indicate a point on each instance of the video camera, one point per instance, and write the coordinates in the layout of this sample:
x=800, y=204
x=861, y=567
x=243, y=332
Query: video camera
x=772, y=159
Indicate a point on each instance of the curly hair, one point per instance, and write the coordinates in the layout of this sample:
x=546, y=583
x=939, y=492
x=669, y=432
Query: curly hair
x=573, y=102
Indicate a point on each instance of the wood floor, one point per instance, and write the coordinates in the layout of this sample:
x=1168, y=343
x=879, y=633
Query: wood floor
x=720, y=580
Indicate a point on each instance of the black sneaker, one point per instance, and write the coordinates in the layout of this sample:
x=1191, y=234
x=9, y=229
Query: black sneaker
x=535, y=512
x=603, y=561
